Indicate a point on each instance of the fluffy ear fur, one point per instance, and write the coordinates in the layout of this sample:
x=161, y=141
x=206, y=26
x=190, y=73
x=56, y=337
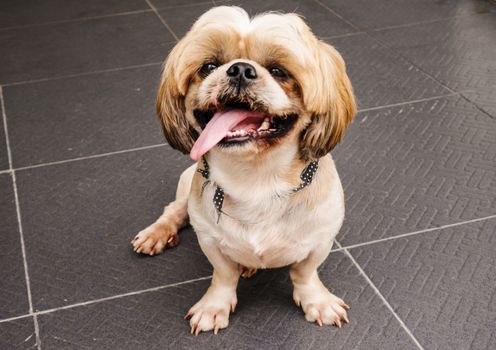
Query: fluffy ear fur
x=328, y=94
x=171, y=107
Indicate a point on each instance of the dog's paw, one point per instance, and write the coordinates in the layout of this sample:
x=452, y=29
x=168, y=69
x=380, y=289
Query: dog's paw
x=211, y=312
x=154, y=239
x=322, y=307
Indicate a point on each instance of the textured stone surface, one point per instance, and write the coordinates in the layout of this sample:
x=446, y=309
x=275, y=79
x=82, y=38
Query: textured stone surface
x=81, y=46
x=75, y=117
x=451, y=51
x=18, y=334
x=417, y=166
x=374, y=14
x=411, y=161
x=441, y=284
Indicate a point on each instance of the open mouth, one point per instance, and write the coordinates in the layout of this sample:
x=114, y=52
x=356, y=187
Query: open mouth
x=236, y=123
x=257, y=125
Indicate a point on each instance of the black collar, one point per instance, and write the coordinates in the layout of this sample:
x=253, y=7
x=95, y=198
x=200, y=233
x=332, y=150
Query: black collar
x=306, y=176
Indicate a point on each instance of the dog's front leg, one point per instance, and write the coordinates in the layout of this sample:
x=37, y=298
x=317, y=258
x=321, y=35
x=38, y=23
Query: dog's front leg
x=309, y=292
x=211, y=312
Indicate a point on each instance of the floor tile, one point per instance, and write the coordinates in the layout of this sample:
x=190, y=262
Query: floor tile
x=416, y=166
x=18, y=334
x=14, y=13
x=451, y=51
x=79, y=218
x=441, y=284
x=380, y=77
x=369, y=14
x=266, y=318
x=73, y=117
x=78, y=47
x=13, y=295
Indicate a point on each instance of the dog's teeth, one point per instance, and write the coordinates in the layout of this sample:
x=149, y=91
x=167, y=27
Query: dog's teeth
x=265, y=125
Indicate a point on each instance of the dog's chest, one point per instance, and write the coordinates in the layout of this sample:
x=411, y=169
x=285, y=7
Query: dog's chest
x=261, y=234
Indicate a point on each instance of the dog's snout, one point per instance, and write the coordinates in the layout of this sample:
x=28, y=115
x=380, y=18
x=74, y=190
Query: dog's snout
x=242, y=71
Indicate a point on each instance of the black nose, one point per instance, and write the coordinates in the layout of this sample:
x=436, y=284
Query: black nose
x=242, y=71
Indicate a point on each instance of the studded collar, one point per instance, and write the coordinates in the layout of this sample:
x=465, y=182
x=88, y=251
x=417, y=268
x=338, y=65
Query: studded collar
x=306, y=176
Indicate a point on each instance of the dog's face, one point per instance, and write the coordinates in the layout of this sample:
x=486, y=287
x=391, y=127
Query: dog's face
x=246, y=86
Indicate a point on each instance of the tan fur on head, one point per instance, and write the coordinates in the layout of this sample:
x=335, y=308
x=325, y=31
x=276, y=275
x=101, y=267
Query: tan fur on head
x=319, y=90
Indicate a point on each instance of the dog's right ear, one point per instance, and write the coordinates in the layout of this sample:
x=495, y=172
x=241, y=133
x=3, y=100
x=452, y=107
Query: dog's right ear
x=171, y=107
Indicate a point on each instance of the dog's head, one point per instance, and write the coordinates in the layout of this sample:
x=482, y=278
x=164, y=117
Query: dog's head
x=249, y=85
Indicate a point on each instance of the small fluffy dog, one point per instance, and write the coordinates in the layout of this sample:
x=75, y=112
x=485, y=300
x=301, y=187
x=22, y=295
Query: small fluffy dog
x=258, y=103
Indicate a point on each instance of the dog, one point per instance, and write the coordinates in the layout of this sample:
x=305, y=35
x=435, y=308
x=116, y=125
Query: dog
x=258, y=103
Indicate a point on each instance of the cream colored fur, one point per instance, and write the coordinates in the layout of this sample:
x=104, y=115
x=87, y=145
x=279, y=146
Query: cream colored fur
x=265, y=224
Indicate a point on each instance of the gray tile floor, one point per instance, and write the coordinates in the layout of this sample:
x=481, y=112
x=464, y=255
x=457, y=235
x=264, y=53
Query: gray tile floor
x=84, y=166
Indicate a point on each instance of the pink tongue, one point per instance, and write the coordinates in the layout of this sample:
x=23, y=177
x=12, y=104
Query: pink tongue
x=216, y=130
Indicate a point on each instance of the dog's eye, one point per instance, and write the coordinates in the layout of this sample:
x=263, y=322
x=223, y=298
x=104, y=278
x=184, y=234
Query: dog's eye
x=208, y=68
x=277, y=72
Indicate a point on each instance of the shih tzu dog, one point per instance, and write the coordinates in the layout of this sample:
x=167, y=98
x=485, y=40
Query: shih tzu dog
x=258, y=103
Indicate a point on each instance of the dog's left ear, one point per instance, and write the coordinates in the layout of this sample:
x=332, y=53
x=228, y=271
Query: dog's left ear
x=328, y=95
x=171, y=107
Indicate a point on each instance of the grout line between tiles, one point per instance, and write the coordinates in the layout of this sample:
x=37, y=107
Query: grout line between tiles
x=19, y=222
x=351, y=24
x=428, y=21
x=409, y=102
x=154, y=9
x=118, y=69
x=379, y=294
x=4, y=119
x=95, y=301
x=91, y=156
x=415, y=233
x=338, y=36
